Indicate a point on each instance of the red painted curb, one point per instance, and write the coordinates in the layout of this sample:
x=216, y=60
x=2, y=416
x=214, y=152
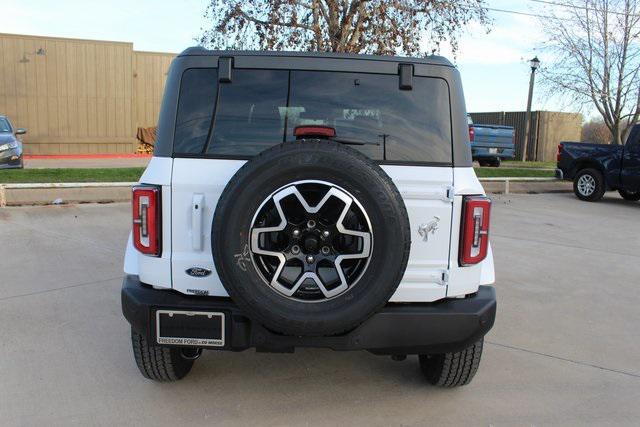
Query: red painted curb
x=86, y=156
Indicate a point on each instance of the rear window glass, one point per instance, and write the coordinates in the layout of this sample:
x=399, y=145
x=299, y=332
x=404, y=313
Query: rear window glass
x=397, y=125
x=198, y=91
x=251, y=113
x=261, y=108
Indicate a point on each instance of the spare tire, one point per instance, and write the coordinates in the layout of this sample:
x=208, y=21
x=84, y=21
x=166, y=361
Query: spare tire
x=310, y=238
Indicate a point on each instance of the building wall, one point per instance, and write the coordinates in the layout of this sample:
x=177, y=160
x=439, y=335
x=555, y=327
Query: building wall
x=79, y=96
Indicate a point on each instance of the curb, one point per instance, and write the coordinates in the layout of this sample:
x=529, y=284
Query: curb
x=508, y=185
x=64, y=193
x=106, y=192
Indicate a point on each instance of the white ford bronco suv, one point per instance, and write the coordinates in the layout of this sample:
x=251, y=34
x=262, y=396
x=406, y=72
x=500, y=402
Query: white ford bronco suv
x=310, y=200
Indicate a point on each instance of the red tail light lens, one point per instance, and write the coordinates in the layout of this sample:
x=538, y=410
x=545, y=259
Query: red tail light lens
x=472, y=134
x=560, y=147
x=317, y=131
x=474, y=235
x=147, y=228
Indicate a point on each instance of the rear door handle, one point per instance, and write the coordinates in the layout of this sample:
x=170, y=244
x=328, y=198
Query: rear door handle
x=197, y=205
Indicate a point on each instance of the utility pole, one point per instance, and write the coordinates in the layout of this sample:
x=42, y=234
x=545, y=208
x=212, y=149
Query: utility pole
x=534, y=63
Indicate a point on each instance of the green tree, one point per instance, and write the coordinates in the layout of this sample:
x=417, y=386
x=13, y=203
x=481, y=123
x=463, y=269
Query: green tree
x=353, y=26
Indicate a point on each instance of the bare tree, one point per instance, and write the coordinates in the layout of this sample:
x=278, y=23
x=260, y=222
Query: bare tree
x=596, y=131
x=595, y=46
x=354, y=26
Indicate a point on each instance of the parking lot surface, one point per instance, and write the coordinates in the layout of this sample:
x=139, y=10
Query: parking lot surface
x=565, y=348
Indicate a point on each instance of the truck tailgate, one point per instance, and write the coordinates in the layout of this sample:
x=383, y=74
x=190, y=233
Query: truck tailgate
x=493, y=136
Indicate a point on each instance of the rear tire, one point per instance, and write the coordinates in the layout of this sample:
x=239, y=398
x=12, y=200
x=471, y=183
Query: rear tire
x=452, y=369
x=322, y=307
x=158, y=363
x=588, y=185
x=632, y=196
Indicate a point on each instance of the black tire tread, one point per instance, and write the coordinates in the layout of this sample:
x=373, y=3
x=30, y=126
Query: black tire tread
x=452, y=369
x=158, y=363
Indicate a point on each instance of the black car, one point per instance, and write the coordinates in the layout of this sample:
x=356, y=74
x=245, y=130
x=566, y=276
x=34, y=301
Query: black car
x=596, y=168
x=10, y=145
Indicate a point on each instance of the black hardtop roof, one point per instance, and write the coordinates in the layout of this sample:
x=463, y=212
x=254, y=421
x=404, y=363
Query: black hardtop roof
x=429, y=60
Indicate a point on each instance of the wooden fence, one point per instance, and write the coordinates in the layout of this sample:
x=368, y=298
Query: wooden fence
x=548, y=128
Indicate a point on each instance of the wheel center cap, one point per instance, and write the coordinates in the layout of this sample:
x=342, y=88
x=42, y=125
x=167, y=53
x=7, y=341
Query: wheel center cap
x=311, y=244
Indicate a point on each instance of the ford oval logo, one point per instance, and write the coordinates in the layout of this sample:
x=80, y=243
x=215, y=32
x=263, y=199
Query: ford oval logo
x=198, y=272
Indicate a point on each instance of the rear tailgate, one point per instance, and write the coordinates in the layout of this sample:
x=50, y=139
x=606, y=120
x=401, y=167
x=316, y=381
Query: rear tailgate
x=493, y=136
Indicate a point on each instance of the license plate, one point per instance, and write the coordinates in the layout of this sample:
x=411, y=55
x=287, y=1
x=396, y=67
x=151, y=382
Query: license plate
x=195, y=328
x=493, y=151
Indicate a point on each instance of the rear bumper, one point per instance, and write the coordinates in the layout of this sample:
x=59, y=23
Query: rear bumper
x=429, y=328
x=484, y=152
x=559, y=174
x=11, y=158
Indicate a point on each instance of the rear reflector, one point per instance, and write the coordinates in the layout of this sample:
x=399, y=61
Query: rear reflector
x=314, y=132
x=147, y=219
x=472, y=134
x=474, y=233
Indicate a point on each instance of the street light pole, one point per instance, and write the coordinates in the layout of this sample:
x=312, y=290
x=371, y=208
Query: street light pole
x=534, y=64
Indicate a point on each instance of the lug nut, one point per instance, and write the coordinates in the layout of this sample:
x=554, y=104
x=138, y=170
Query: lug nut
x=310, y=259
x=296, y=233
x=325, y=250
x=311, y=223
x=295, y=249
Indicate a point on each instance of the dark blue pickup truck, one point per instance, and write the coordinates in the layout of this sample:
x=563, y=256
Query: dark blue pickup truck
x=491, y=143
x=596, y=168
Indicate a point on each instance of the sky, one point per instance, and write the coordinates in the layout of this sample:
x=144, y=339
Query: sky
x=494, y=66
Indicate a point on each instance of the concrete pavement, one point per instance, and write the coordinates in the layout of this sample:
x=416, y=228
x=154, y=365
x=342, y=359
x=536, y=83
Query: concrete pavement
x=565, y=348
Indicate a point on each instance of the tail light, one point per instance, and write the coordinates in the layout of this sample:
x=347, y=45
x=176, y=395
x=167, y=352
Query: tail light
x=474, y=235
x=513, y=138
x=560, y=147
x=472, y=134
x=316, y=131
x=147, y=226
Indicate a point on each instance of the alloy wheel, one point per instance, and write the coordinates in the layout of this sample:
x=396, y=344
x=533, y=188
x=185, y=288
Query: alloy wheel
x=311, y=240
x=586, y=185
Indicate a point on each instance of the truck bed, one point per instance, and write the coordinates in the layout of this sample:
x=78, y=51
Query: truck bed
x=493, y=141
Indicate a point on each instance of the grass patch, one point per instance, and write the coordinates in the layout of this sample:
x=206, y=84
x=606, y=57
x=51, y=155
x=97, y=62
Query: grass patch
x=512, y=173
x=70, y=175
x=518, y=164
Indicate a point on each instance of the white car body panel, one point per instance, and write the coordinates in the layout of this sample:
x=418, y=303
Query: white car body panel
x=205, y=179
x=191, y=189
x=425, y=194
x=155, y=271
x=465, y=280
